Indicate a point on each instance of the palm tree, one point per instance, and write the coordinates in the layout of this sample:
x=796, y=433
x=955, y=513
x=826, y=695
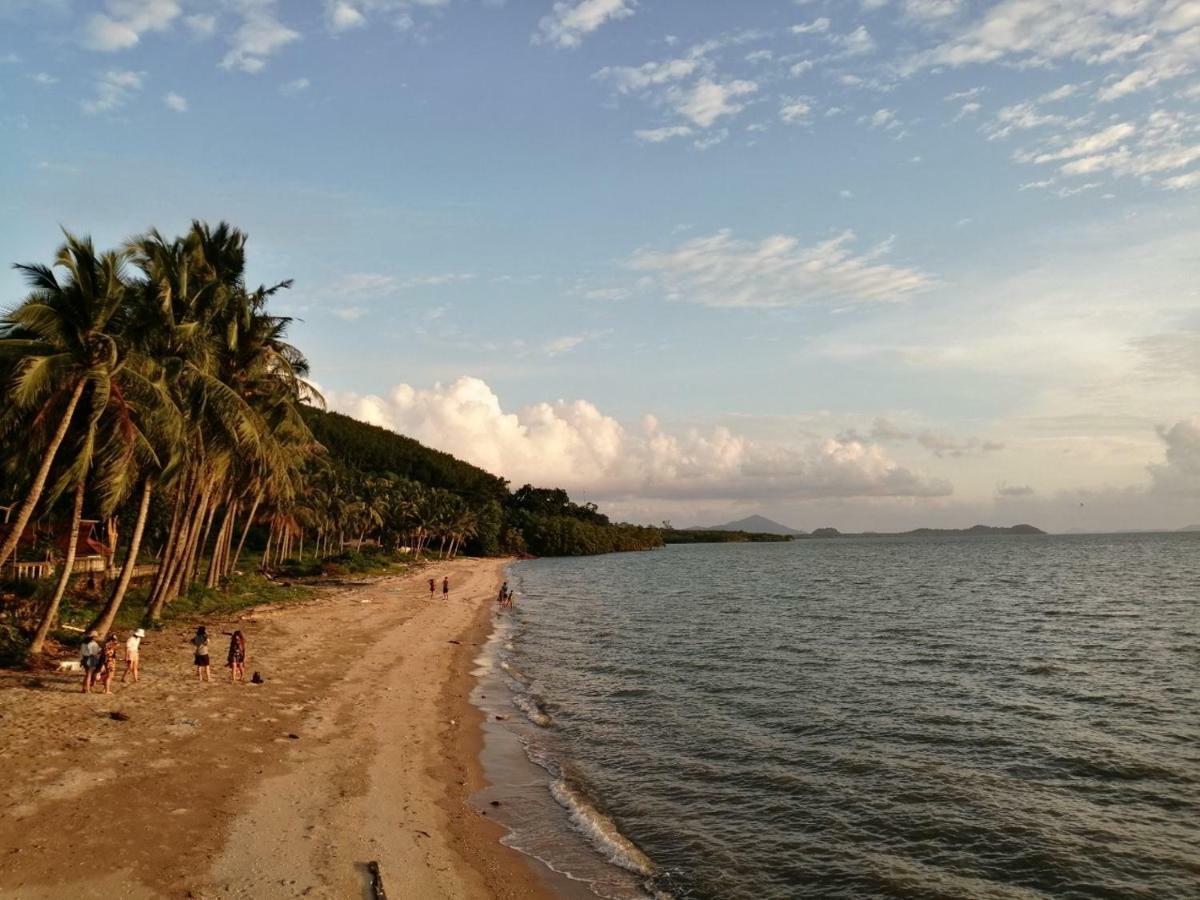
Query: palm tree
x=59, y=343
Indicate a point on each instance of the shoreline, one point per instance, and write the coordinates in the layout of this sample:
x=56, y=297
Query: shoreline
x=362, y=745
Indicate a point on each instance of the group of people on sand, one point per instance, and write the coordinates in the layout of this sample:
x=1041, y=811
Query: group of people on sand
x=99, y=661
x=235, y=660
x=505, y=597
x=445, y=587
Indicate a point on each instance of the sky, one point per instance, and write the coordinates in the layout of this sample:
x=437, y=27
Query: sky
x=870, y=264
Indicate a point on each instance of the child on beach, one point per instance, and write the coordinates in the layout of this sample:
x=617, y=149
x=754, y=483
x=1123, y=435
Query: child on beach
x=108, y=661
x=432, y=587
x=89, y=661
x=200, y=643
x=133, y=652
x=237, y=657
x=446, y=588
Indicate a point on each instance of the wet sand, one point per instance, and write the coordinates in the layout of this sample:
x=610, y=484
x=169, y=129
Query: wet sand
x=361, y=745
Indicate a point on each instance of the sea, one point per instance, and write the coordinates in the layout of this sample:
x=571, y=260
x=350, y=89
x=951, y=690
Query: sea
x=918, y=717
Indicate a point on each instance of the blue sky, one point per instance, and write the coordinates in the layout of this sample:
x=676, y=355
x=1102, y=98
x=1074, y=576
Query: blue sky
x=871, y=264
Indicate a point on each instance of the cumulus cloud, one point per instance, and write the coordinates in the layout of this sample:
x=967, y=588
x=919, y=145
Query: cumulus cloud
x=113, y=90
x=706, y=101
x=124, y=22
x=259, y=36
x=573, y=444
x=1179, y=476
x=721, y=270
x=175, y=102
x=629, y=79
x=794, y=110
x=567, y=24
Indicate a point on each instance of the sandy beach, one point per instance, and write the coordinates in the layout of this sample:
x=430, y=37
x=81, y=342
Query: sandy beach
x=361, y=745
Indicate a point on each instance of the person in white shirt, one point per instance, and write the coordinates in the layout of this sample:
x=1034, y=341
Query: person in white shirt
x=133, y=648
x=89, y=661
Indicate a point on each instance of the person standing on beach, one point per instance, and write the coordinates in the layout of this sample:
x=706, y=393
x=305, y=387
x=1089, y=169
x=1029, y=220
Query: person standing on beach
x=108, y=661
x=200, y=644
x=446, y=587
x=237, y=657
x=432, y=587
x=133, y=652
x=89, y=661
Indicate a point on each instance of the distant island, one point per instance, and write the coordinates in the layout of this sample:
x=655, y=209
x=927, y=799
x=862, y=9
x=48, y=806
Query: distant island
x=973, y=531
x=769, y=531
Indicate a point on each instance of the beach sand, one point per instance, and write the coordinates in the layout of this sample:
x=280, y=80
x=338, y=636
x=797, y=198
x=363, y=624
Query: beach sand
x=361, y=745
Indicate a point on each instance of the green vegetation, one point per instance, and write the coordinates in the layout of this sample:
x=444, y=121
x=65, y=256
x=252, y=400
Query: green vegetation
x=695, y=536
x=150, y=389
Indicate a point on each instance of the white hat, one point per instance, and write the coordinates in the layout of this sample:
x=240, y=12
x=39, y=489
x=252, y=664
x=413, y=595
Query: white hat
x=141, y=632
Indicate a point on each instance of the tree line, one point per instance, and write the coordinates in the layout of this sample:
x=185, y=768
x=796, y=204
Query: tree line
x=151, y=384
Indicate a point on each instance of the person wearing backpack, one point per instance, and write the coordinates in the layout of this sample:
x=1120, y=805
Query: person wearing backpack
x=89, y=661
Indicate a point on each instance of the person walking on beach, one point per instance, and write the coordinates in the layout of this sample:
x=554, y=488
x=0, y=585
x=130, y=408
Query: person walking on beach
x=133, y=652
x=432, y=587
x=108, y=661
x=200, y=644
x=446, y=587
x=237, y=657
x=89, y=661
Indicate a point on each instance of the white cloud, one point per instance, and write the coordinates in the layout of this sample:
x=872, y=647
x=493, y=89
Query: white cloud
x=344, y=16
x=927, y=10
x=816, y=26
x=113, y=89
x=565, y=344
x=629, y=79
x=706, y=101
x=572, y=444
x=658, y=135
x=720, y=270
x=567, y=23
x=1179, y=476
x=175, y=102
x=295, y=86
x=45, y=79
x=202, y=25
x=361, y=284
x=794, y=110
x=349, y=313
x=125, y=21
x=259, y=36
x=858, y=42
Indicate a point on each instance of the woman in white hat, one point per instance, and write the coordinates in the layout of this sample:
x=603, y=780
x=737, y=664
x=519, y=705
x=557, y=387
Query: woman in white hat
x=133, y=648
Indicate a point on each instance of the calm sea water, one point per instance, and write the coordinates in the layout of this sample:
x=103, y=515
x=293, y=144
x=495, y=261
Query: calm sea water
x=1002, y=717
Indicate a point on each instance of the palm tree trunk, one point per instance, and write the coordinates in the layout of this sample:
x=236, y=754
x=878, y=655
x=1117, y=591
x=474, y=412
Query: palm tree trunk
x=214, y=561
x=48, y=617
x=267, y=550
x=245, y=531
x=39, y=480
x=104, y=621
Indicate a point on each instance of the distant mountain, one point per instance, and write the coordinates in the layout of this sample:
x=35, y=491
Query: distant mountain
x=755, y=524
x=1190, y=528
x=974, y=530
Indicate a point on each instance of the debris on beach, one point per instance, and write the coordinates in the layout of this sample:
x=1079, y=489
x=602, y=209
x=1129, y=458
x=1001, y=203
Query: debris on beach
x=377, y=891
x=118, y=716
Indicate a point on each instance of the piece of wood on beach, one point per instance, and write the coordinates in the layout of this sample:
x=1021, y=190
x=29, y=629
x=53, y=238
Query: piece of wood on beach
x=377, y=891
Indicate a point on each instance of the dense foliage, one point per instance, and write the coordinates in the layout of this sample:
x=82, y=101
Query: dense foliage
x=150, y=385
x=696, y=536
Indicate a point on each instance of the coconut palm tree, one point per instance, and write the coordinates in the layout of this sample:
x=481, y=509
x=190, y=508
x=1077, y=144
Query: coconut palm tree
x=59, y=343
